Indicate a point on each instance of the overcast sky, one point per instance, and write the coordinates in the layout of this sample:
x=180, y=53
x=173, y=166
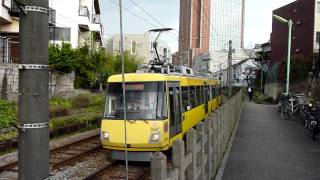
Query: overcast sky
x=257, y=21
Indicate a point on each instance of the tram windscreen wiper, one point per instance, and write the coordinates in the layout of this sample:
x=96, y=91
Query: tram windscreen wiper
x=145, y=121
x=132, y=121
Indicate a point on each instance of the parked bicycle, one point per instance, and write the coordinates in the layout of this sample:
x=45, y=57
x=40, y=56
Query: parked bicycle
x=283, y=100
x=292, y=105
x=312, y=119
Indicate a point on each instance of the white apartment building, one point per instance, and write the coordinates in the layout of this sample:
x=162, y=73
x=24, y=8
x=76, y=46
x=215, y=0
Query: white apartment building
x=73, y=21
x=141, y=46
x=77, y=21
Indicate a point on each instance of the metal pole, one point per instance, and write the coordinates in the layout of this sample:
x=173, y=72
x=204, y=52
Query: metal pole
x=289, y=56
x=262, y=74
x=33, y=102
x=123, y=90
x=230, y=69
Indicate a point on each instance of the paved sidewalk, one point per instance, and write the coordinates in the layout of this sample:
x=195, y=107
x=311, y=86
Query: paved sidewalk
x=267, y=147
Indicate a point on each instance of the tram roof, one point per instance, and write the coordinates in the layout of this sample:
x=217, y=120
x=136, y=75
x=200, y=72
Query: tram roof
x=155, y=77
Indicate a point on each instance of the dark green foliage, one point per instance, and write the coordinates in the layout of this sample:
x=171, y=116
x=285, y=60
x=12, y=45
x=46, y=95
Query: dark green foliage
x=63, y=57
x=8, y=113
x=58, y=112
x=300, y=68
x=259, y=97
x=80, y=101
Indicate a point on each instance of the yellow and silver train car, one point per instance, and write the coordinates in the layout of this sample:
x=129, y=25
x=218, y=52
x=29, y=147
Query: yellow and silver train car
x=160, y=108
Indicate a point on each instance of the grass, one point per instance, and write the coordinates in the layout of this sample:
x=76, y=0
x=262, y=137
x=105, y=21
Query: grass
x=76, y=115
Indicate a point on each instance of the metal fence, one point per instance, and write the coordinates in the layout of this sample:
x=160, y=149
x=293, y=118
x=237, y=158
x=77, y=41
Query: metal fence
x=205, y=146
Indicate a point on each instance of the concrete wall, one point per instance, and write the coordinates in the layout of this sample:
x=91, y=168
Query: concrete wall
x=61, y=85
x=272, y=90
x=200, y=156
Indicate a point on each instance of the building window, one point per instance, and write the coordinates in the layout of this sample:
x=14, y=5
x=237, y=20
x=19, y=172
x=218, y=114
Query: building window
x=60, y=34
x=318, y=37
x=4, y=50
x=165, y=52
x=133, y=47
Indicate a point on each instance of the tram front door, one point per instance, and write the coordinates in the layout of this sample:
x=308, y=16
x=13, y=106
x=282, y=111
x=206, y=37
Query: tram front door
x=175, y=108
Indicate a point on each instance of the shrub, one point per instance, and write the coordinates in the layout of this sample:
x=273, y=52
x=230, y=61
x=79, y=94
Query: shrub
x=80, y=101
x=259, y=97
x=58, y=112
x=60, y=102
x=8, y=113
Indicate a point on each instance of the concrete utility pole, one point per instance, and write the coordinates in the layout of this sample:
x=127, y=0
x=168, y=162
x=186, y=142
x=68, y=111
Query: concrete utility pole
x=33, y=105
x=230, y=69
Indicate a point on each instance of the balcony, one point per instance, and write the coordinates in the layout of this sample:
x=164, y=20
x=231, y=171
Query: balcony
x=96, y=19
x=15, y=12
x=14, y=9
x=84, y=11
x=52, y=17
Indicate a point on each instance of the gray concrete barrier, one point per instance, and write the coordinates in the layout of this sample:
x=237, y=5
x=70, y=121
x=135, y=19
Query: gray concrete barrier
x=201, y=155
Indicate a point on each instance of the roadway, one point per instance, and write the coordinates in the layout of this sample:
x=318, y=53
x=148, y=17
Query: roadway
x=267, y=147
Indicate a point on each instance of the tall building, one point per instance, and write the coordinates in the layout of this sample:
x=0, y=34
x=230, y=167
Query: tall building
x=194, y=31
x=73, y=21
x=227, y=23
x=305, y=15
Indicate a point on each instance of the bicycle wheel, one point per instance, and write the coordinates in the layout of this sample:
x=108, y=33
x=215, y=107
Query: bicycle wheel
x=286, y=112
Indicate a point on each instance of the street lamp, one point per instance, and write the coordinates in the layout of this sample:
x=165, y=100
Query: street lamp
x=290, y=23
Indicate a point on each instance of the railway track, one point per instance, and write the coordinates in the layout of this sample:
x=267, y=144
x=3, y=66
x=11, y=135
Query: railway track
x=117, y=170
x=65, y=155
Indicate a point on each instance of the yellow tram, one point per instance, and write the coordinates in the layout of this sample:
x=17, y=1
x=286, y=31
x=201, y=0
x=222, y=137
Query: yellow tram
x=160, y=108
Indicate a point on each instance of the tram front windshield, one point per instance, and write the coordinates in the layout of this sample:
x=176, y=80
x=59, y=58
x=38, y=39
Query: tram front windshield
x=144, y=101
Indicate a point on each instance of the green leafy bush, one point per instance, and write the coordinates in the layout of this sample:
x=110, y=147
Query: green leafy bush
x=80, y=101
x=72, y=120
x=259, y=97
x=8, y=113
x=58, y=112
x=60, y=102
x=63, y=57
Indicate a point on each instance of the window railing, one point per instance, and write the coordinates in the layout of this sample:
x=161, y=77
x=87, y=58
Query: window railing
x=14, y=9
x=52, y=16
x=84, y=11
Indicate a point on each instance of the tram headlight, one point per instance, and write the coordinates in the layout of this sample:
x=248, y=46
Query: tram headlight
x=155, y=137
x=104, y=136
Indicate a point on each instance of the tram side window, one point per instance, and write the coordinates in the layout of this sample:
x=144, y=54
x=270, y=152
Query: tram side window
x=192, y=97
x=217, y=89
x=207, y=89
x=199, y=97
x=213, y=92
x=185, y=98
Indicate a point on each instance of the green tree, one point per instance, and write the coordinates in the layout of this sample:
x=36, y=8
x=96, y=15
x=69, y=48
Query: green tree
x=63, y=57
x=300, y=68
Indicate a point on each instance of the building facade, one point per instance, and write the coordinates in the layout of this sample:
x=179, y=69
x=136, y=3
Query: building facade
x=194, y=31
x=216, y=62
x=74, y=21
x=139, y=45
x=305, y=15
x=227, y=23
